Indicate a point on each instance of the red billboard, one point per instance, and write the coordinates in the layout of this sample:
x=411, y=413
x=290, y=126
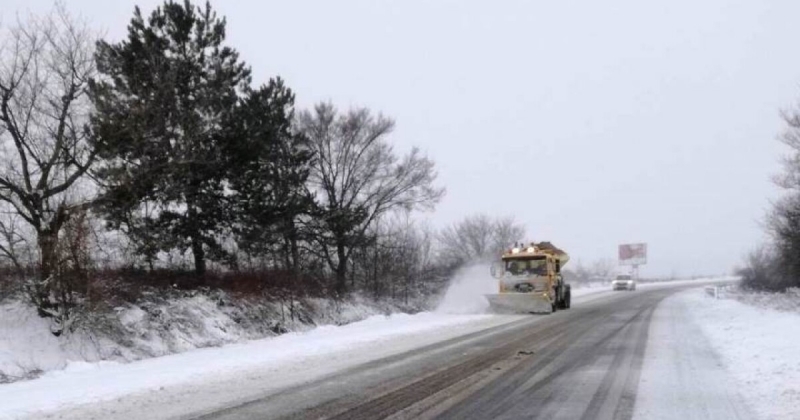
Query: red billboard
x=633, y=254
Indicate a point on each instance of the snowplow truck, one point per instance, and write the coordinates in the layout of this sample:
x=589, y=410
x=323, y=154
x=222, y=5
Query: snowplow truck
x=530, y=280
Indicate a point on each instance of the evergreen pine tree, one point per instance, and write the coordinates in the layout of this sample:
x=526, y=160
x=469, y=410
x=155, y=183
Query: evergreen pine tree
x=165, y=112
x=269, y=177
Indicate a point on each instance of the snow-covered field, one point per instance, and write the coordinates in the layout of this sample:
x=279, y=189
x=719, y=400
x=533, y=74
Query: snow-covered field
x=759, y=345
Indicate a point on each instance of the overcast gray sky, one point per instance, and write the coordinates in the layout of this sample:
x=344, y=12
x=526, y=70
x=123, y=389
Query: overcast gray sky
x=593, y=123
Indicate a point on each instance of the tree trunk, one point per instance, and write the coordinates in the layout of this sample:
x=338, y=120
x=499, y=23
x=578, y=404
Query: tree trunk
x=47, y=247
x=46, y=307
x=291, y=249
x=49, y=294
x=341, y=270
x=199, y=255
x=295, y=255
x=375, y=273
x=195, y=236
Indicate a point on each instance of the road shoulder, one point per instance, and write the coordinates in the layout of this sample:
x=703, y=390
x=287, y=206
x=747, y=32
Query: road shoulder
x=683, y=376
x=759, y=346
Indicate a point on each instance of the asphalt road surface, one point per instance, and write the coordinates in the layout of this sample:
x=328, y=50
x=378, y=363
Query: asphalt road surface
x=582, y=363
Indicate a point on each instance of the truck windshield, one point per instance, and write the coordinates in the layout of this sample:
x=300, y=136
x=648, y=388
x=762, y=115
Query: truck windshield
x=530, y=266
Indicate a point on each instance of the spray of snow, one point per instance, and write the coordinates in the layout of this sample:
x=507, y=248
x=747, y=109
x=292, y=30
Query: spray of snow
x=465, y=294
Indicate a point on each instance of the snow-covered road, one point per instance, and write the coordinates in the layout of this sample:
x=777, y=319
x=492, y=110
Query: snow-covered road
x=204, y=380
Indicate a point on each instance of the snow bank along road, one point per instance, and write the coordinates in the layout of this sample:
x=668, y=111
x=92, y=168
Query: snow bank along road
x=588, y=362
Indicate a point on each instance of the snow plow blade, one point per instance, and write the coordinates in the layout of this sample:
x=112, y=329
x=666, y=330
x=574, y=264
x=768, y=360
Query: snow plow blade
x=519, y=303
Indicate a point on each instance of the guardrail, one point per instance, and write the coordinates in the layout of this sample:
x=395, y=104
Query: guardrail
x=720, y=291
x=712, y=291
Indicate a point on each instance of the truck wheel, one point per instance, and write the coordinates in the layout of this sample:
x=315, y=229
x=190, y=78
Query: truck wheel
x=568, y=300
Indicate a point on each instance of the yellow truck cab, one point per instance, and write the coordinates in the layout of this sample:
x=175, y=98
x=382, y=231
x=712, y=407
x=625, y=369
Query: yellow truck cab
x=530, y=280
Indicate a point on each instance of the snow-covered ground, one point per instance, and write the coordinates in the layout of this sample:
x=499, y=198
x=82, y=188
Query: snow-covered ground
x=164, y=325
x=682, y=377
x=760, y=347
x=77, y=375
x=711, y=355
x=215, y=375
x=210, y=377
x=784, y=302
x=158, y=326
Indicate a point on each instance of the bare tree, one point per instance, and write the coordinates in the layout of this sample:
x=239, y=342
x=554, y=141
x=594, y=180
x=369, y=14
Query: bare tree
x=760, y=271
x=783, y=224
x=399, y=262
x=478, y=238
x=603, y=269
x=506, y=232
x=45, y=65
x=790, y=178
x=12, y=241
x=358, y=178
x=579, y=273
x=470, y=239
x=777, y=267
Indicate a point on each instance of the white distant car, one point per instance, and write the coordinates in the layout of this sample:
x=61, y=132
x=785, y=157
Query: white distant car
x=623, y=282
